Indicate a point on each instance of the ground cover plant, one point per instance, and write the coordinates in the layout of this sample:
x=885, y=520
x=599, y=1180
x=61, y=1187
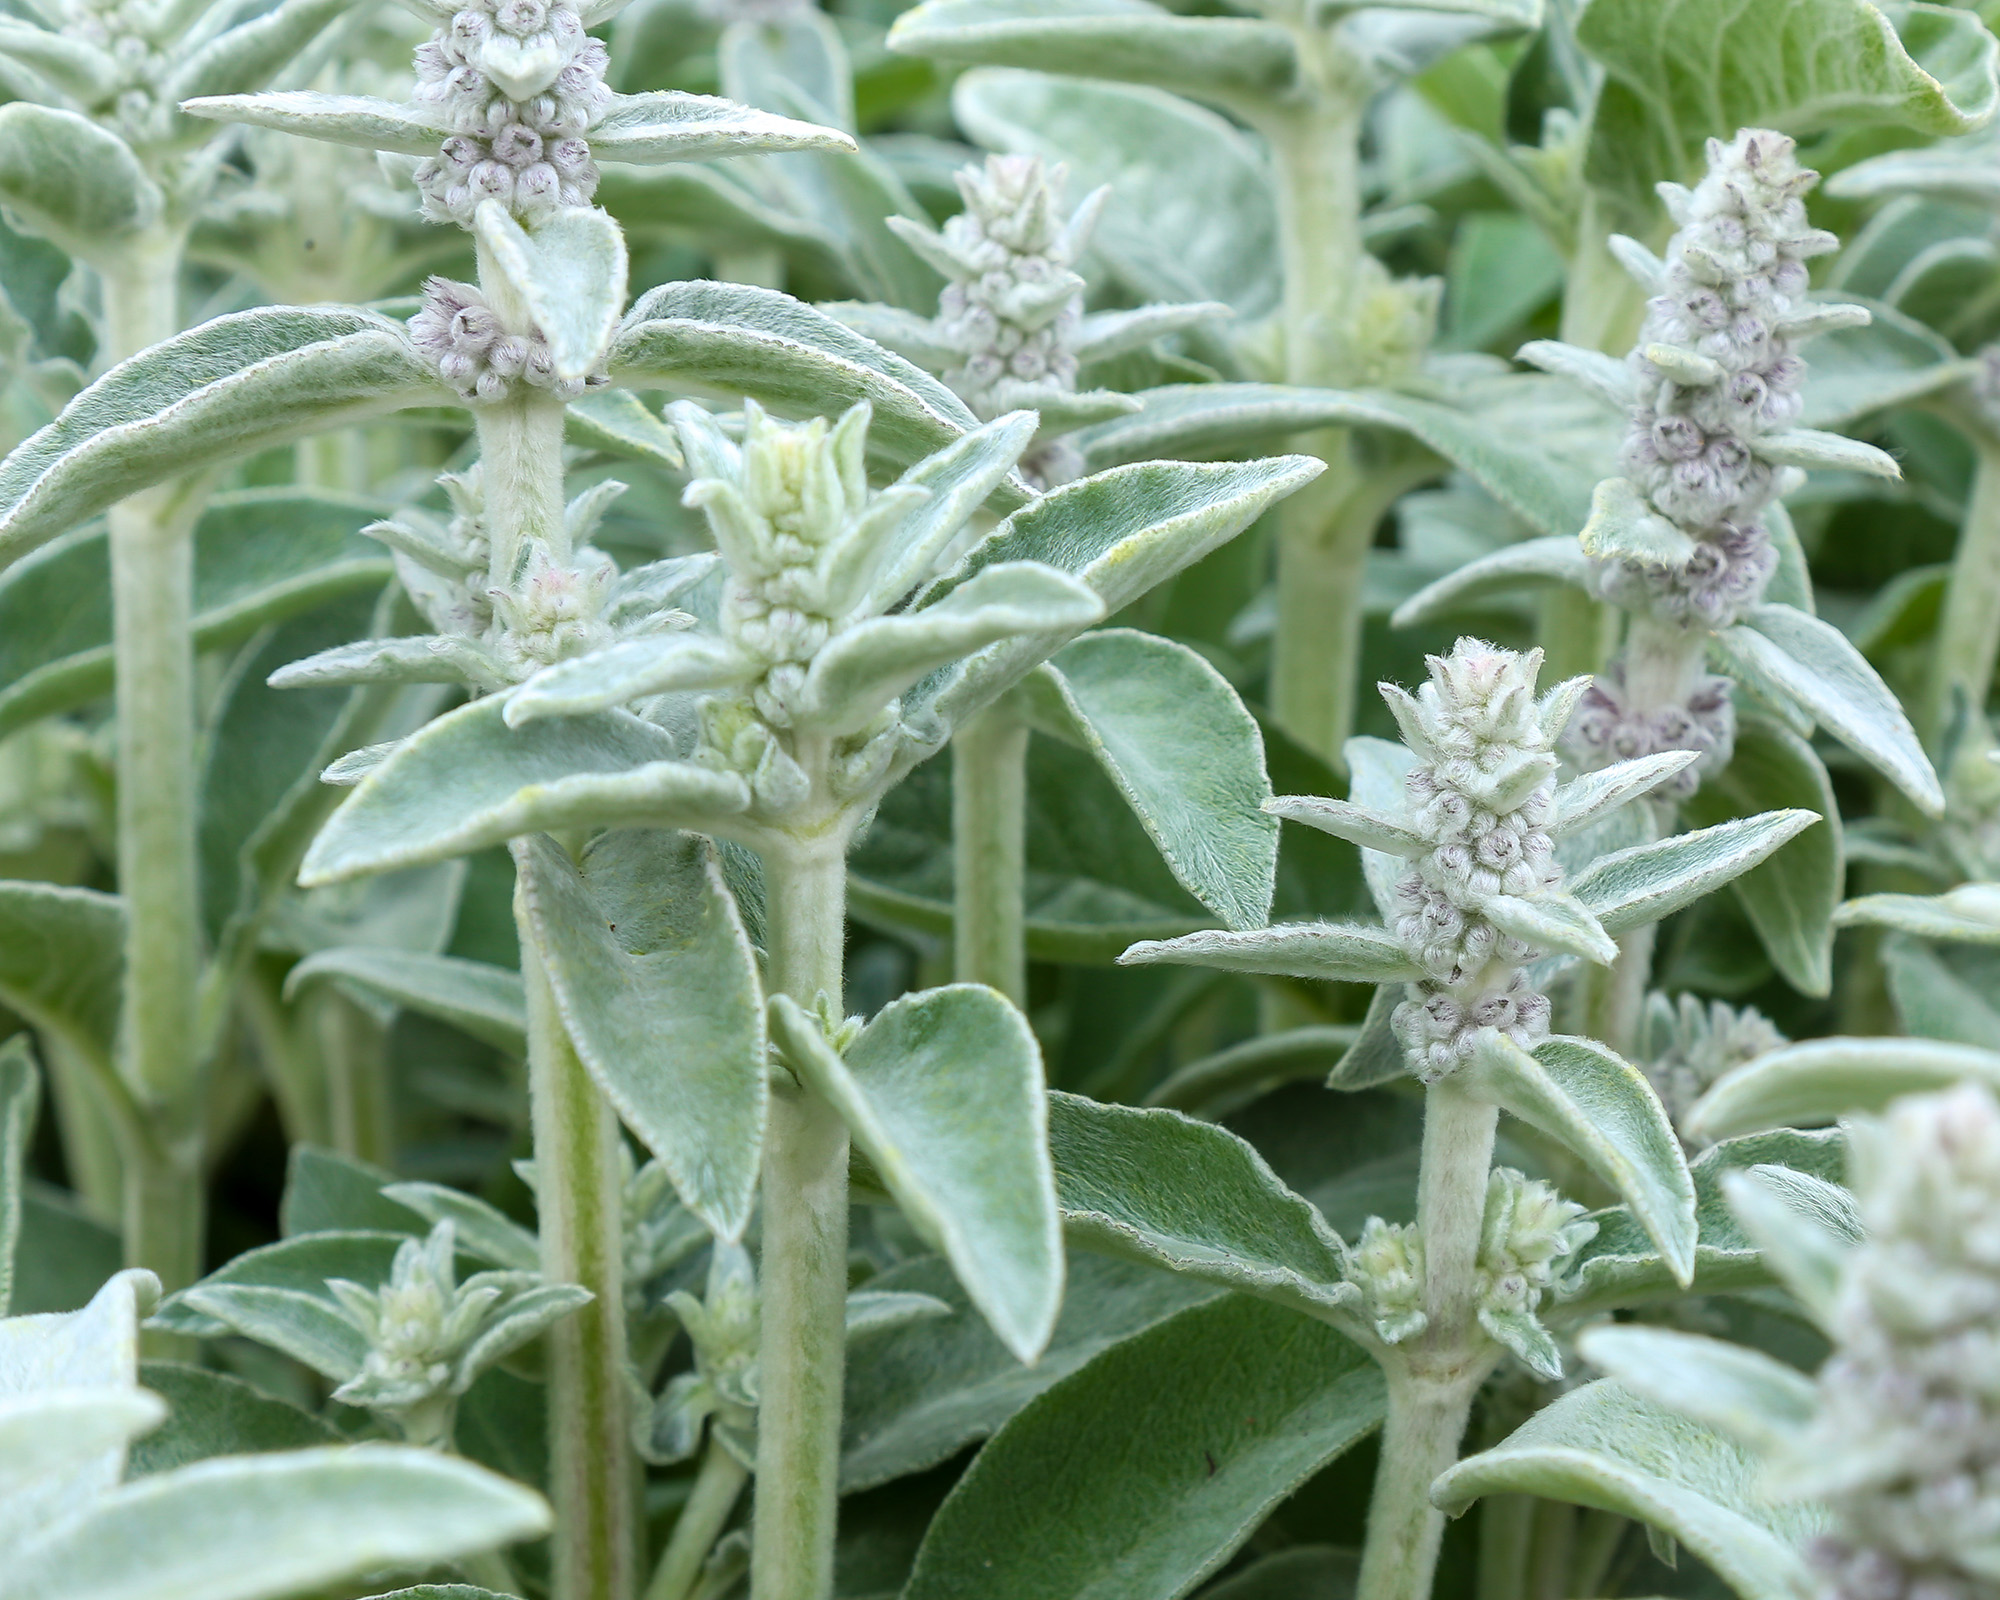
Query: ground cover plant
x=1006, y=800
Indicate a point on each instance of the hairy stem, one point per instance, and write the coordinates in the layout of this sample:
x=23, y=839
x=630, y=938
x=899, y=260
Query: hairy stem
x=1573, y=634
x=593, y=1475
x=699, y=1525
x=1433, y=1378
x=989, y=800
x=1969, y=633
x=803, y=1271
x=152, y=581
x=1615, y=996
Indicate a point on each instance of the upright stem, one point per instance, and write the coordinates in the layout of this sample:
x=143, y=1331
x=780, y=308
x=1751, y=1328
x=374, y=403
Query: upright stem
x=989, y=801
x=152, y=581
x=1572, y=633
x=803, y=1271
x=1969, y=634
x=593, y=1474
x=1602, y=306
x=699, y=1525
x=1433, y=1377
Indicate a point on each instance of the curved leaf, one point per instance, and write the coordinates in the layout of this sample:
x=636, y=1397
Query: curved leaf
x=1820, y=1080
x=467, y=780
x=76, y=184
x=1137, y=1476
x=482, y=1000
x=1742, y=1393
x=62, y=963
x=1969, y=914
x=657, y=986
x=1533, y=563
x=1342, y=952
x=1171, y=733
x=239, y=383
x=569, y=271
x=943, y=1091
x=1630, y=888
x=672, y=125
x=1161, y=1188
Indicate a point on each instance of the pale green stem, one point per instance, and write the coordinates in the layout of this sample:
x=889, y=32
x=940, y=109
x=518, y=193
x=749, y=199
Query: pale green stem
x=355, y=1050
x=1598, y=1536
x=803, y=1269
x=1554, y=1542
x=152, y=576
x=1602, y=306
x=1505, y=1524
x=91, y=1150
x=1615, y=996
x=593, y=1474
x=989, y=801
x=699, y=1525
x=1575, y=633
x=1969, y=632
x=1434, y=1376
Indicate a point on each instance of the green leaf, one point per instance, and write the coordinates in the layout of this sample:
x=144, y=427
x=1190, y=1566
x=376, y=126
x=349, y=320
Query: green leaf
x=1229, y=59
x=1304, y=1572
x=1621, y=1266
x=1207, y=418
x=1819, y=1080
x=1177, y=173
x=1555, y=921
x=20, y=1098
x=1161, y=1188
x=64, y=1254
x=1742, y=1393
x=72, y=182
x=328, y=1192
x=1969, y=914
x=1791, y=897
x=292, y=1270
x=670, y=125
x=569, y=272
x=1376, y=1056
x=467, y=780
x=260, y=556
x=1605, y=1447
x=1820, y=64
x=477, y=998
x=362, y=121
x=1121, y=532
x=918, y=1394
x=1603, y=1111
x=1139, y=1475
x=657, y=987
x=943, y=1093
x=213, y=1414
x=1531, y=564
x=1624, y=526
x=247, y=56
x=1213, y=1085
x=236, y=1529
x=730, y=340
x=1803, y=1228
x=1630, y=888
x=619, y=423
x=1944, y=995
x=1891, y=360
x=480, y=1229
x=1170, y=732
x=1342, y=952
x=62, y=963
x=240, y=383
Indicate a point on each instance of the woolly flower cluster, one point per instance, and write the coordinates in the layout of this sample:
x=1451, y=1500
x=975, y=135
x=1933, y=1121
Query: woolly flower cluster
x=1611, y=725
x=520, y=84
x=1689, y=1045
x=1482, y=794
x=1528, y=1229
x=127, y=31
x=1906, y=1443
x=477, y=356
x=1014, y=303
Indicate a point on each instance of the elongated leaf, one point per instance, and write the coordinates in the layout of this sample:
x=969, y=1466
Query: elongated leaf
x=1595, y=795
x=1602, y=1110
x=76, y=184
x=485, y=1001
x=1742, y=1393
x=62, y=962
x=362, y=121
x=1833, y=683
x=1213, y=1085
x=570, y=274
x=1126, y=40
x=618, y=422
x=1157, y=1187
x=467, y=781
x=247, y=56
x=260, y=555
x=1819, y=1080
x=1803, y=1230
x=213, y=1414
x=943, y=1091
x=1533, y=563
x=1170, y=732
x=1205, y=418
x=479, y=1229
x=1630, y=888
x=1345, y=952
x=298, y=1266
x=1968, y=914
x=1621, y=1266
x=1826, y=63
x=1790, y=899
x=1606, y=1447
x=730, y=340
x=1557, y=923
x=1139, y=1475
x=670, y=125
x=1944, y=994
x=239, y=383
x=625, y=671
x=238, y=1529
x=20, y=1096
x=919, y=1394
x=327, y=1192
x=657, y=987
x=1121, y=532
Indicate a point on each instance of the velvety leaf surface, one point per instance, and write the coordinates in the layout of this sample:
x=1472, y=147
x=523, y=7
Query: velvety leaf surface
x=484, y=1000
x=1632, y=887
x=20, y=1098
x=1135, y=1477
x=214, y=1414
x=1818, y=1080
